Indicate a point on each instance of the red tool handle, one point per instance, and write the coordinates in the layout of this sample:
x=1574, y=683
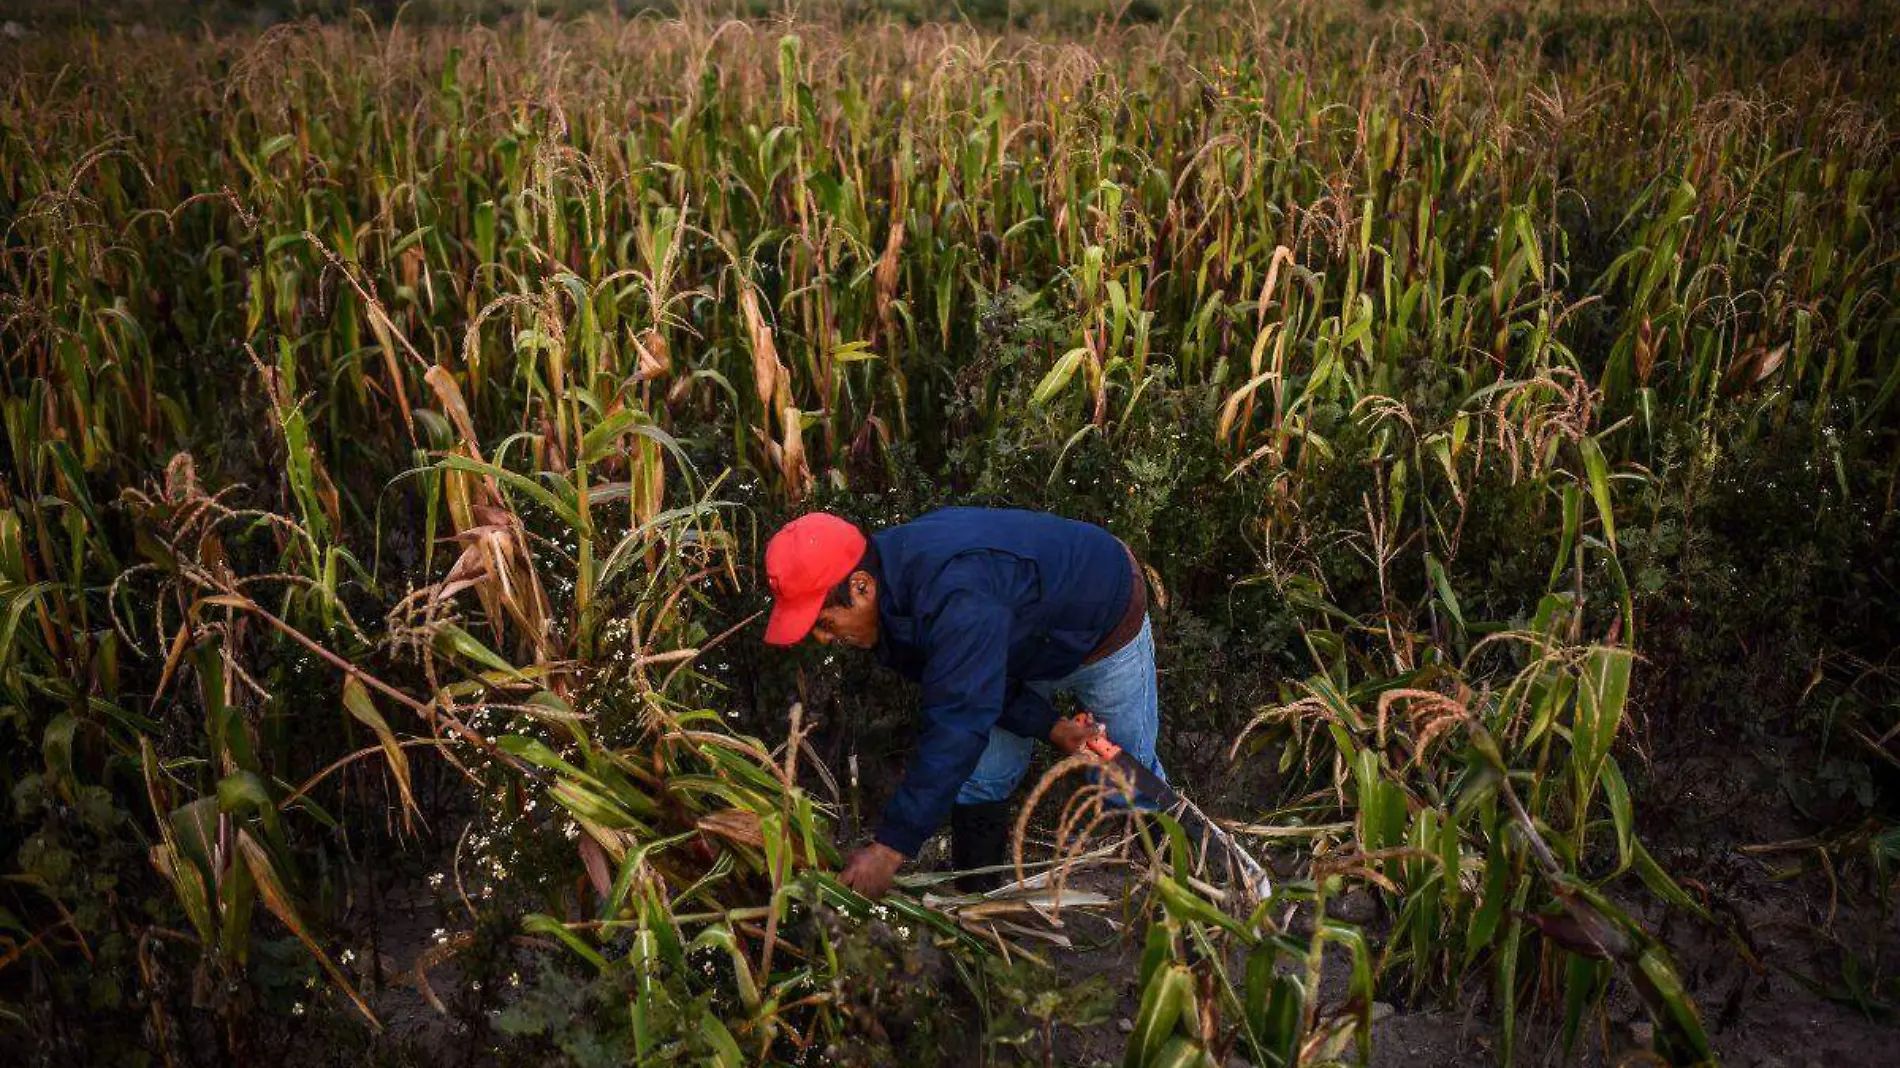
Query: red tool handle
x=1100, y=745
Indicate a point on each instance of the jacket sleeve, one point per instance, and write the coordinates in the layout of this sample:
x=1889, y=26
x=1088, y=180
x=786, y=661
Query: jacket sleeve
x=1028, y=713
x=966, y=654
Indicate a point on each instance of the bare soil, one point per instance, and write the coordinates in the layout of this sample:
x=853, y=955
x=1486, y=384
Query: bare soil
x=1795, y=914
x=1756, y=1020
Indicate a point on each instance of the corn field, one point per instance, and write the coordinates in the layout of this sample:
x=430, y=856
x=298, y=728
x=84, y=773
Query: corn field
x=1498, y=393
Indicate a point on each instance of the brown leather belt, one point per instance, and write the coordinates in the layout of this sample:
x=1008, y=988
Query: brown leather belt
x=1132, y=616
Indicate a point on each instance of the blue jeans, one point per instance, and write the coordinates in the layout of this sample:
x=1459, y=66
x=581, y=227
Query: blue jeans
x=1118, y=690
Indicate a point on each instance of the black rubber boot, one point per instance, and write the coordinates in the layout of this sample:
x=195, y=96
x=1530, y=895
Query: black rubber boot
x=979, y=838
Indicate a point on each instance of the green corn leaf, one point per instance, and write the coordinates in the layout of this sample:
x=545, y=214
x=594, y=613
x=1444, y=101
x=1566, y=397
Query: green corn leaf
x=1616, y=793
x=1279, y=1023
x=1186, y=905
x=1535, y=248
x=451, y=640
x=188, y=885
x=273, y=146
x=1549, y=696
x=1507, y=975
x=597, y=443
x=1450, y=862
x=1360, y=981
x=1164, y=1000
x=593, y=808
x=644, y=964
x=276, y=898
x=237, y=893
x=629, y=868
x=536, y=923
x=356, y=701
x=1572, y=509
x=1492, y=898
x=1443, y=585
x=1059, y=376
x=194, y=829
x=17, y=601
x=1599, y=713
x=1662, y=885
x=1598, y=471
x=658, y=919
x=1424, y=881
x=521, y=483
x=1022, y=227
x=1259, y=978
x=1583, y=979
x=1180, y=1052
x=409, y=240
x=853, y=352
x=73, y=473
x=242, y=793
x=1157, y=948
x=725, y=1049
x=1678, y=1025
x=720, y=936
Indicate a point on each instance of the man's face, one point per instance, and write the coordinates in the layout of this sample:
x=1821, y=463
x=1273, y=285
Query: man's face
x=854, y=624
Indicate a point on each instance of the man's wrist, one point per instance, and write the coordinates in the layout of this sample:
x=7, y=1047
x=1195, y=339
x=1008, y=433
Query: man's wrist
x=896, y=855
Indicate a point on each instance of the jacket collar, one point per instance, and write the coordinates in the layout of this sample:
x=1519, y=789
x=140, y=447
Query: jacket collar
x=896, y=639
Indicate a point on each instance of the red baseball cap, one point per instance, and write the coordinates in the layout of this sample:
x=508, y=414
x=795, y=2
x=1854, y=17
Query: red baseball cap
x=803, y=561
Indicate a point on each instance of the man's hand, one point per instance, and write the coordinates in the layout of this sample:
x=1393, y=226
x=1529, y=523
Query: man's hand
x=871, y=869
x=1070, y=736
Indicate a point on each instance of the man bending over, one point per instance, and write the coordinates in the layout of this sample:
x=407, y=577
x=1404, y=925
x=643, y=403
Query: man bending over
x=994, y=612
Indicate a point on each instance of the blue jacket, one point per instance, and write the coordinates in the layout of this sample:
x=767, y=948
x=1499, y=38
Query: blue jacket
x=973, y=602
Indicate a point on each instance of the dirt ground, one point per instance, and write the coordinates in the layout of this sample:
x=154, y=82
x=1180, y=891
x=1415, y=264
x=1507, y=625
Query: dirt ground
x=1800, y=917
x=1755, y=1020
